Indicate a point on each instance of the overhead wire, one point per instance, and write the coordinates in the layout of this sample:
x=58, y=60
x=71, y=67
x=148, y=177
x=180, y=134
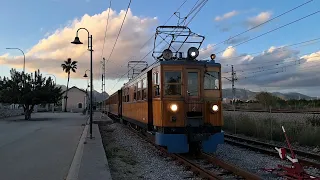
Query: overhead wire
x=264, y=22
x=280, y=27
x=193, y=9
x=114, y=45
x=270, y=63
x=105, y=33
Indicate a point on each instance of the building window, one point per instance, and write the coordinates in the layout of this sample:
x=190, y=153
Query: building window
x=80, y=105
x=172, y=83
x=211, y=80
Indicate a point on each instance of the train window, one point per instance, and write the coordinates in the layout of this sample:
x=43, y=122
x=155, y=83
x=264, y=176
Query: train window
x=144, y=88
x=193, y=84
x=172, y=83
x=211, y=80
x=135, y=92
x=157, y=84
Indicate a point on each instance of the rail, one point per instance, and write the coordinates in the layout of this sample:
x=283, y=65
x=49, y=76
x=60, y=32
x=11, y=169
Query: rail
x=268, y=148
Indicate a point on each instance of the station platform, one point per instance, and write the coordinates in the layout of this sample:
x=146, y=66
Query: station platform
x=90, y=161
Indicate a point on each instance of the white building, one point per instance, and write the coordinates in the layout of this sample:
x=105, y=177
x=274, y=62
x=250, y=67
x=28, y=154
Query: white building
x=77, y=100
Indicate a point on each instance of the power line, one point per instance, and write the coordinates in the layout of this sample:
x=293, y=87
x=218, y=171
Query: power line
x=119, y=31
x=164, y=24
x=264, y=22
x=270, y=63
x=303, y=42
x=256, y=76
x=193, y=9
x=105, y=33
x=282, y=67
x=270, y=31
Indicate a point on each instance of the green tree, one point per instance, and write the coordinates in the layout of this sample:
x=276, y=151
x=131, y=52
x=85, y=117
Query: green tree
x=267, y=99
x=28, y=90
x=67, y=67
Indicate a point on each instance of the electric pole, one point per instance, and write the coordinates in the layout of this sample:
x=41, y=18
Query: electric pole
x=103, y=84
x=233, y=79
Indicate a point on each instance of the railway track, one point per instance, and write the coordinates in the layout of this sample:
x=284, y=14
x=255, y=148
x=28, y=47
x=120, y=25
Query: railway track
x=217, y=168
x=275, y=111
x=306, y=158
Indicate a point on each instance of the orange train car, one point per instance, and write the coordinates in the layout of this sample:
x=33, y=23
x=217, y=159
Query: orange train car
x=176, y=99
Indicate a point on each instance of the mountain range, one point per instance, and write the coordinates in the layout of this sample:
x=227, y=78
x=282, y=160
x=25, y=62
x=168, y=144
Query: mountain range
x=245, y=94
x=242, y=94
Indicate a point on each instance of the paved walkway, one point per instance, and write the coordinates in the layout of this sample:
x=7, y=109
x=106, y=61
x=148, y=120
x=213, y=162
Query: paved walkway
x=39, y=149
x=90, y=162
x=52, y=146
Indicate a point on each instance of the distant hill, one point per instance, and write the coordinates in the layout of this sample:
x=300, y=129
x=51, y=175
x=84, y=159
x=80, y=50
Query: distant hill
x=245, y=94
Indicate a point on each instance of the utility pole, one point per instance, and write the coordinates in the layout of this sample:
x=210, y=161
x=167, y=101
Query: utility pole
x=233, y=79
x=103, y=85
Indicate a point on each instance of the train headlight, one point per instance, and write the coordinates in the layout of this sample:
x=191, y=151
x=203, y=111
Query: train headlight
x=193, y=52
x=173, y=107
x=215, y=108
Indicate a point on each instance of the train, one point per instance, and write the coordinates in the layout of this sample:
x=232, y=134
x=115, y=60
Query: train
x=178, y=99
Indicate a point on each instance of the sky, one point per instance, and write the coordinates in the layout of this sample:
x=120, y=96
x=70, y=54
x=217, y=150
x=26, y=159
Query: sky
x=266, y=59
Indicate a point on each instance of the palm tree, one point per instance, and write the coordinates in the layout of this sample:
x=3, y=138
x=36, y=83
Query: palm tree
x=67, y=67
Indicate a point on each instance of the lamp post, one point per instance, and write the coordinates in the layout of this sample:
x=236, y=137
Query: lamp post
x=77, y=41
x=24, y=58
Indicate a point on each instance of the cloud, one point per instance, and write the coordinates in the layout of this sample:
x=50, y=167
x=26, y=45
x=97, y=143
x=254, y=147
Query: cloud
x=206, y=51
x=226, y=16
x=236, y=40
x=260, y=18
x=52, y=50
x=229, y=52
x=278, y=67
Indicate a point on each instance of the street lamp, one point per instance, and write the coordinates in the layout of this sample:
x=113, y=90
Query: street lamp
x=77, y=41
x=24, y=58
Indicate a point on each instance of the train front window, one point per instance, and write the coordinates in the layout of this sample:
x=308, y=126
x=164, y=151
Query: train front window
x=211, y=80
x=172, y=83
x=193, y=84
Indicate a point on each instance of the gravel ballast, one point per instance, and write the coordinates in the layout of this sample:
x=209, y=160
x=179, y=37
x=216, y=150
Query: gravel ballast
x=253, y=161
x=131, y=157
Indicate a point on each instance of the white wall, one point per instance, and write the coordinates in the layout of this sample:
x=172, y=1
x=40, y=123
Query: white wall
x=75, y=96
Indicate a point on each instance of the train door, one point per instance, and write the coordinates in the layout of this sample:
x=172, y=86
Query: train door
x=150, y=108
x=193, y=94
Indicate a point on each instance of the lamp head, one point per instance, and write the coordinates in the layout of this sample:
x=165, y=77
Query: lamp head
x=76, y=41
x=212, y=56
x=85, y=75
x=193, y=53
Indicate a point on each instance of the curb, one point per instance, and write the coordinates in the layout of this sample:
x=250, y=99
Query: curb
x=76, y=162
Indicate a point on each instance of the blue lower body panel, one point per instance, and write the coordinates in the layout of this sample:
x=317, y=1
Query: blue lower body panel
x=210, y=145
x=175, y=143
x=178, y=143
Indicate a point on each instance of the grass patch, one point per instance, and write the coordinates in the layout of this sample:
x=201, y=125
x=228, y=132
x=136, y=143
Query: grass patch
x=305, y=132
